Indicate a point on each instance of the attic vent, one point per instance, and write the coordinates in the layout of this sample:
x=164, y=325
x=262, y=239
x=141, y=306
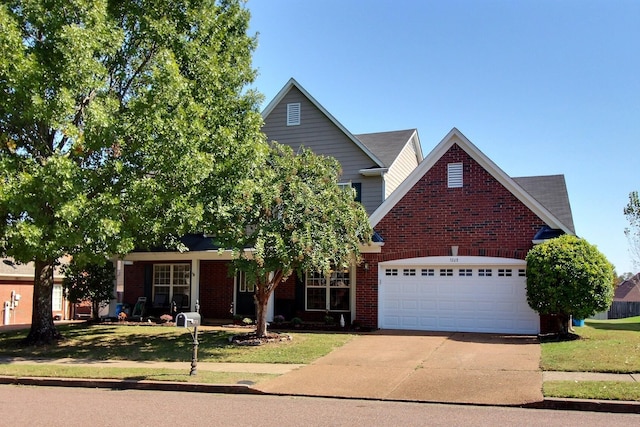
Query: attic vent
x=293, y=114
x=454, y=175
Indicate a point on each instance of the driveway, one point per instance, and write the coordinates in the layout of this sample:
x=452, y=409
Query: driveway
x=423, y=366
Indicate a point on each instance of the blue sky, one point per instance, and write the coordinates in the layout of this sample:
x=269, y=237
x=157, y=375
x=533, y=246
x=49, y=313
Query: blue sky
x=541, y=87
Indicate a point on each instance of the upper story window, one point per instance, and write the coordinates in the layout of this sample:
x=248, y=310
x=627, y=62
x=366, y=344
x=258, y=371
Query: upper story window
x=293, y=114
x=357, y=188
x=454, y=175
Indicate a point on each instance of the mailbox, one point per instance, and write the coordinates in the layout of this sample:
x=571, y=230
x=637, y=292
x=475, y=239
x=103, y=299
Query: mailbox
x=187, y=320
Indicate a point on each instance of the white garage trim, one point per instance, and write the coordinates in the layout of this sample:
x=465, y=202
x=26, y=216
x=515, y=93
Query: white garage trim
x=458, y=294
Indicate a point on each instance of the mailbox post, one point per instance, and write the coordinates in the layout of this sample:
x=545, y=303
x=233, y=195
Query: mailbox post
x=185, y=320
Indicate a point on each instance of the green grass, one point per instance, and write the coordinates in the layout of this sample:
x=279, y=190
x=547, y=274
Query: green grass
x=136, y=374
x=161, y=343
x=604, y=346
x=601, y=390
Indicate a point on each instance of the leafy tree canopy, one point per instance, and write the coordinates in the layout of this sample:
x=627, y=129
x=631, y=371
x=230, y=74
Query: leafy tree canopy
x=632, y=212
x=297, y=218
x=93, y=282
x=569, y=276
x=122, y=124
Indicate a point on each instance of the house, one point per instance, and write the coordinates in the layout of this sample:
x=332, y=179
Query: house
x=451, y=234
x=626, y=299
x=16, y=293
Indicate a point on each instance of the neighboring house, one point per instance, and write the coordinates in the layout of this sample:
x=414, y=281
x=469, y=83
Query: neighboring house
x=452, y=233
x=16, y=293
x=626, y=299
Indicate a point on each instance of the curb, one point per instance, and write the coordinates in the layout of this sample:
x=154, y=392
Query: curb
x=131, y=385
x=613, y=406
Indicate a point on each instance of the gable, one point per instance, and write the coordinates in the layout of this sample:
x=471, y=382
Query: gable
x=455, y=137
x=629, y=290
x=481, y=218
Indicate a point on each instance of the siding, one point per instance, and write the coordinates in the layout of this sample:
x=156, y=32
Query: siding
x=401, y=168
x=318, y=133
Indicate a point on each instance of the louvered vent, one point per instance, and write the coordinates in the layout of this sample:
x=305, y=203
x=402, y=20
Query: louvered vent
x=293, y=114
x=454, y=175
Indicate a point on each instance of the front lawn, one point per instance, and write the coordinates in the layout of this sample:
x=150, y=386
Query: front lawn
x=163, y=343
x=604, y=346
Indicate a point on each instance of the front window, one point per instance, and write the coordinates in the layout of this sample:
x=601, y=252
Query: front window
x=56, y=296
x=171, y=283
x=328, y=292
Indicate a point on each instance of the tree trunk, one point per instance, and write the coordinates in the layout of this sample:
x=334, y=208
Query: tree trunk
x=43, y=330
x=263, y=292
x=563, y=324
x=95, y=311
x=262, y=300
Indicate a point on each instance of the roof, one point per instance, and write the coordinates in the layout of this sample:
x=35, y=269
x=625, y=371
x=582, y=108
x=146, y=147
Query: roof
x=293, y=83
x=12, y=270
x=456, y=137
x=551, y=192
x=629, y=290
x=388, y=145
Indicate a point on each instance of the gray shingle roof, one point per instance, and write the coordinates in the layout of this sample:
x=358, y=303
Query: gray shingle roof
x=551, y=192
x=386, y=145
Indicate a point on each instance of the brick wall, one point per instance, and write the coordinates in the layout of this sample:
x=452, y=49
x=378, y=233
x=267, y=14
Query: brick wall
x=216, y=290
x=482, y=218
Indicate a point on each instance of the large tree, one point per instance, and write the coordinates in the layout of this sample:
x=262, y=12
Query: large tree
x=297, y=219
x=632, y=212
x=568, y=276
x=121, y=124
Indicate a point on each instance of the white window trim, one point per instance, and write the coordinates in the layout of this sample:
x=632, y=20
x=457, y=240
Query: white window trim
x=325, y=283
x=56, y=297
x=171, y=284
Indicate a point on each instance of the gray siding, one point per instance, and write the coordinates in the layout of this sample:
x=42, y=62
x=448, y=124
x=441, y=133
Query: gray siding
x=318, y=133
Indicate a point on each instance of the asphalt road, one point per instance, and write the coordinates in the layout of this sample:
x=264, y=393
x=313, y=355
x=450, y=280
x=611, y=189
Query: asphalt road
x=50, y=406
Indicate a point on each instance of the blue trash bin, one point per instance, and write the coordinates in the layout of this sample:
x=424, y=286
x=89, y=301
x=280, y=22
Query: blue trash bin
x=578, y=322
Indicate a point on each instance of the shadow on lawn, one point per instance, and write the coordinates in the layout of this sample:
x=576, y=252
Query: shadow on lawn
x=615, y=326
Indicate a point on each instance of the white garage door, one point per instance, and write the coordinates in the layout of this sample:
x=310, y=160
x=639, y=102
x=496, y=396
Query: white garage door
x=476, y=296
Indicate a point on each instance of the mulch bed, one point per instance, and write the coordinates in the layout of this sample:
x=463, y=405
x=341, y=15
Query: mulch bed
x=253, y=340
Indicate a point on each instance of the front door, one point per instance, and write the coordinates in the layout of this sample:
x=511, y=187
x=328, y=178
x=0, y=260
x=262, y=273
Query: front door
x=245, y=305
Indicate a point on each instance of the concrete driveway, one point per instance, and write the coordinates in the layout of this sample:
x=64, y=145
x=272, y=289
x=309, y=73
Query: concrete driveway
x=423, y=366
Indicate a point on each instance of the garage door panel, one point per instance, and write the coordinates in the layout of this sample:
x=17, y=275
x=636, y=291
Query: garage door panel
x=457, y=303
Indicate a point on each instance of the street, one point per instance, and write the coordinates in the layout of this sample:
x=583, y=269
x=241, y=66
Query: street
x=46, y=406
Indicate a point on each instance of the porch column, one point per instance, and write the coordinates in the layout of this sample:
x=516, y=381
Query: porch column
x=195, y=283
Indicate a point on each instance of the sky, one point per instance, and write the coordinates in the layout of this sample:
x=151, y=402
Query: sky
x=541, y=87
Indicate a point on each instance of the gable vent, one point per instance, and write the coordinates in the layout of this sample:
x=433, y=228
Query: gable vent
x=454, y=175
x=293, y=114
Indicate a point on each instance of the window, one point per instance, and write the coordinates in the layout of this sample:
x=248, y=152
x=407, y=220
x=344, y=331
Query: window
x=391, y=272
x=504, y=272
x=484, y=272
x=171, y=282
x=328, y=292
x=465, y=272
x=357, y=188
x=242, y=282
x=293, y=114
x=409, y=272
x=446, y=272
x=522, y=272
x=56, y=298
x=427, y=272
x=454, y=175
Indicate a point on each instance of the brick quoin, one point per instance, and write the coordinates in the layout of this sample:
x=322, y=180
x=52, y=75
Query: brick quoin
x=482, y=218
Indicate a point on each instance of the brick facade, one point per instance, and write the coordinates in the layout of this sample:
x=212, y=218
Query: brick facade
x=482, y=218
x=216, y=290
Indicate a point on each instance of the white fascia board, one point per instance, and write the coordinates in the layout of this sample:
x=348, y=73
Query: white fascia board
x=457, y=260
x=373, y=248
x=291, y=83
x=456, y=137
x=373, y=171
x=226, y=255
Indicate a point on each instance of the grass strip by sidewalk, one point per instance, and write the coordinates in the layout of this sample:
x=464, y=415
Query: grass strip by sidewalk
x=600, y=390
x=137, y=374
